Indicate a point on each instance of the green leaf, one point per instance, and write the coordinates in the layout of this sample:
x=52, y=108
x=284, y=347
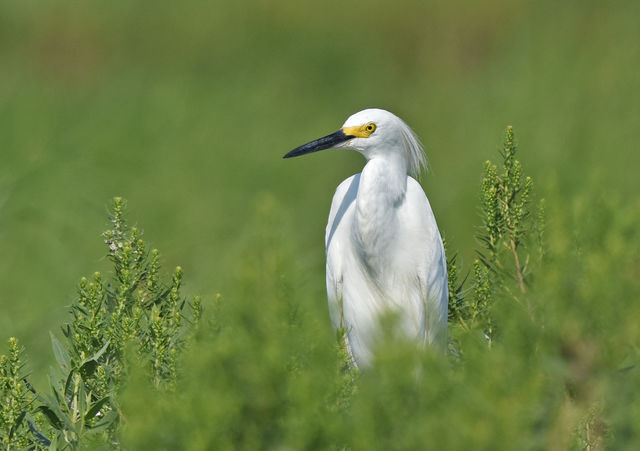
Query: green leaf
x=51, y=416
x=38, y=435
x=54, y=444
x=55, y=404
x=95, y=408
x=55, y=387
x=102, y=350
x=107, y=420
x=62, y=356
x=88, y=368
x=82, y=397
x=16, y=424
x=91, y=364
x=66, y=330
x=68, y=388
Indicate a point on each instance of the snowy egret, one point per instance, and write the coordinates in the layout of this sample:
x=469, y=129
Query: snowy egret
x=384, y=251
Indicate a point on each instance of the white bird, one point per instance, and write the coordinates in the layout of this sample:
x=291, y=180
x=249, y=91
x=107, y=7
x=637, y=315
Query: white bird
x=384, y=251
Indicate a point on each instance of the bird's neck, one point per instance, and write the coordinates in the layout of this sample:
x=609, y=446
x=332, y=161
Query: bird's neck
x=383, y=181
x=382, y=187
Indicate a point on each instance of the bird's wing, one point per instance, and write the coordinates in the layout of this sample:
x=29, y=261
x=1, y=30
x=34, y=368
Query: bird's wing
x=336, y=238
x=431, y=264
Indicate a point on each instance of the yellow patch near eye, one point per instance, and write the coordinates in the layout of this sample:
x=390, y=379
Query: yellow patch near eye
x=360, y=131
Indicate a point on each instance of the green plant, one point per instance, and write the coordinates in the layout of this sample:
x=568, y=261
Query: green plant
x=133, y=317
x=15, y=400
x=510, y=236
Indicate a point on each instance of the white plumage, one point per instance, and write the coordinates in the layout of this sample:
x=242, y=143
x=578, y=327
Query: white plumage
x=384, y=250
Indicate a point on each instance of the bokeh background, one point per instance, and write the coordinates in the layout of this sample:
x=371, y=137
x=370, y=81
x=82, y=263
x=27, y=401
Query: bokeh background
x=186, y=108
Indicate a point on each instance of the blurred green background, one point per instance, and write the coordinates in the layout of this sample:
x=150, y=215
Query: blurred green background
x=186, y=108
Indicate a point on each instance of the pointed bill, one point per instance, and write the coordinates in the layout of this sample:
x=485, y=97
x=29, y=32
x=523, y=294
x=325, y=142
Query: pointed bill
x=326, y=142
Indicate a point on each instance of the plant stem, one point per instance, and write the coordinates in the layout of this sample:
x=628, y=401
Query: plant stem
x=519, y=275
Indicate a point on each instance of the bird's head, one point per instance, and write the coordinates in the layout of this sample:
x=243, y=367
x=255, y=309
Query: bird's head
x=372, y=132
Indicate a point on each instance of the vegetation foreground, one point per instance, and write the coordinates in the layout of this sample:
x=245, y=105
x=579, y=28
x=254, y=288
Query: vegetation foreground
x=544, y=346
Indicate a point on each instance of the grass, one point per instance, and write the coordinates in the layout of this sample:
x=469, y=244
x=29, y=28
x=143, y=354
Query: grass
x=186, y=109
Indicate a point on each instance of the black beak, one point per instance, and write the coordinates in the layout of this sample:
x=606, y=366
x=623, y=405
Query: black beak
x=320, y=144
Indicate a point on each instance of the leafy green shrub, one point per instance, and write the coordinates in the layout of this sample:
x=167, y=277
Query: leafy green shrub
x=15, y=400
x=512, y=244
x=132, y=317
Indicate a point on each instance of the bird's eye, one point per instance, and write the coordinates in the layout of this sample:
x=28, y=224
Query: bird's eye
x=370, y=127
